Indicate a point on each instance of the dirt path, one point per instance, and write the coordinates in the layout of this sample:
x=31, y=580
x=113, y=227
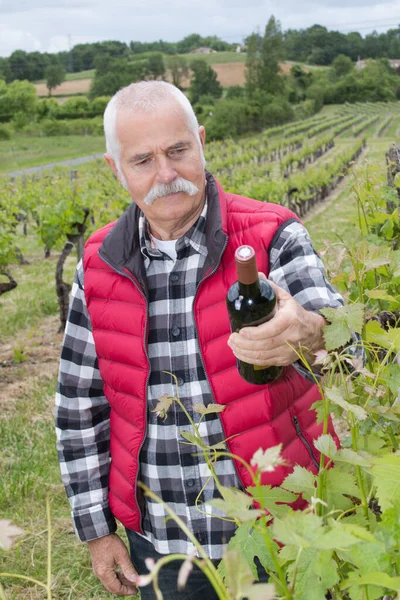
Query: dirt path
x=335, y=194
x=62, y=163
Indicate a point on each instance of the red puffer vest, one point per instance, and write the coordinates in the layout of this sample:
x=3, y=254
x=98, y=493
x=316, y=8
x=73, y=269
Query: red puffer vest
x=254, y=416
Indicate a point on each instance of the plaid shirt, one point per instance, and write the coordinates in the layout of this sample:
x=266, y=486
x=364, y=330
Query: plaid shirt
x=171, y=469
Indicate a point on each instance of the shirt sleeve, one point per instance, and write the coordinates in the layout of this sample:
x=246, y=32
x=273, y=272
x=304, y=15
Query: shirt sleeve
x=297, y=268
x=82, y=416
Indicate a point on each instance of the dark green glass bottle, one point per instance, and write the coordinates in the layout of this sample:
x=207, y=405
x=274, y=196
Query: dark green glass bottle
x=251, y=301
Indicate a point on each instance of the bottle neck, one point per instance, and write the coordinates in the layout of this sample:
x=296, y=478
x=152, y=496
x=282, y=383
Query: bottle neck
x=249, y=289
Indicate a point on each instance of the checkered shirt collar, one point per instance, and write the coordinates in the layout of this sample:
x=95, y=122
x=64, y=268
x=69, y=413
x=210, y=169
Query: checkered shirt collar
x=194, y=237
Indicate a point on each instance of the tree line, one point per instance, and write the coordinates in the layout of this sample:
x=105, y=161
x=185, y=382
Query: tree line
x=314, y=45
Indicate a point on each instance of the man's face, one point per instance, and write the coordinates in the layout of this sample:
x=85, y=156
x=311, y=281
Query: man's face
x=158, y=148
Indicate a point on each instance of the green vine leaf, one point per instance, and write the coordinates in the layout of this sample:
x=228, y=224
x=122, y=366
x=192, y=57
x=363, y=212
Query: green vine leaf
x=335, y=395
x=343, y=321
x=326, y=445
x=314, y=574
x=386, y=472
x=250, y=542
x=301, y=481
x=236, y=505
x=275, y=500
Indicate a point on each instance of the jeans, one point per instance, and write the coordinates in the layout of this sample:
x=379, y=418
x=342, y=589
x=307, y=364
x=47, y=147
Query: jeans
x=197, y=586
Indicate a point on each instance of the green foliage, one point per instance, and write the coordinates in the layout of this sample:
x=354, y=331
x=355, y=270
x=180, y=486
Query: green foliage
x=54, y=76
x=179, y=69
x=47, y=108
x=17, y=97
x=235, y=92
x=342, y=65
x=272, y=52
x=5, y=132
x=263, y=61
x=231, y=118
x=343, y=321
x=204, y=81
x=156, y=66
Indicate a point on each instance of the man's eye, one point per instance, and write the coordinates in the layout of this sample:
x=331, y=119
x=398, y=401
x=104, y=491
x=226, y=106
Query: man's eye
x=143, y=162
x=177, y=151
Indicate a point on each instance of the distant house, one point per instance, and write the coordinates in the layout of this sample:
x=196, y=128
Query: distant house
x=203, y=50
x=241, y=49
x=360, y=64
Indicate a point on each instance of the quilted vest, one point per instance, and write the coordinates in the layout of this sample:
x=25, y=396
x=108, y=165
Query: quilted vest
x=254, y=416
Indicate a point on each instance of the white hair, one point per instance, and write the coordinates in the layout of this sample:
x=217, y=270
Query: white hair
x=144, y=96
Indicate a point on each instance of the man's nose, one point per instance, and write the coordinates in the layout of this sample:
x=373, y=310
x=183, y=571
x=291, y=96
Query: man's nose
x=165, y=170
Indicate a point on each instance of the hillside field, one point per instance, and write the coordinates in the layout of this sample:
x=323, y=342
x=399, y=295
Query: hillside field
x=229, y=73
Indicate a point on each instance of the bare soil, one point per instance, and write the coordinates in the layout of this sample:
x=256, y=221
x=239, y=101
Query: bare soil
x=333, y=195
x=79, y=86
x=41, y=355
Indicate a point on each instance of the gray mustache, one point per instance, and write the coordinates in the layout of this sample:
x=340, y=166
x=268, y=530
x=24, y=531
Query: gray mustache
x=163, y=189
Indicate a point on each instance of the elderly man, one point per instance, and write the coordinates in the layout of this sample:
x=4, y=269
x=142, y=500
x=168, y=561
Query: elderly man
x=149, y=299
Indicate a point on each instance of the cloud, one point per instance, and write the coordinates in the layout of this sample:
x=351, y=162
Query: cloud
x=11, y=39
x=47, y=24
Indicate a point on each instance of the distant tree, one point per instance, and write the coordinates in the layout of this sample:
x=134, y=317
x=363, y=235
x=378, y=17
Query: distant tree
x=253, y=63
x=190, y=42
x=271, y=54
x=178, y=68
x=204, y=81
x=342, y=65
x=121, y=73
x=5, y=71
x=156, y=66
x=54, y=76
x=20, y=65
x=355, y=45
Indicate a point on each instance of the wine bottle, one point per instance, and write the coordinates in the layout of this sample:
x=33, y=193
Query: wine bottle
x=251, y=301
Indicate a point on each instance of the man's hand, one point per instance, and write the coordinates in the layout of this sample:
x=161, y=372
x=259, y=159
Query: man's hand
x=271, y=343
x=109, y=554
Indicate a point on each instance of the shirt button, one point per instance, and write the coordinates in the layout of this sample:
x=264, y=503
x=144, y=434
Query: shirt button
x=174, y=277
x=176, y=331
x=180, y=381
x=190, y=483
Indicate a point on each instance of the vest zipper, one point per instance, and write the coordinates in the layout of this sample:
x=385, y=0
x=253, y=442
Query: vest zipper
x=200, y=352
x=148, y=373
x=305, y=442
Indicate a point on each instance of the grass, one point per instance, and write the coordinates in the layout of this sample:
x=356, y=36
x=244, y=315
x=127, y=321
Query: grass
x=342, y=214
x=28, y=460
x=217, y=58
x=22, y=152
x=28, y=456
x=34, y=298
x=89, y=74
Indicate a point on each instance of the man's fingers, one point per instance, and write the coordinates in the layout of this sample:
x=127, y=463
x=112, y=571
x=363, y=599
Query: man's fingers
x=239, y=341
x=112, y=582
x=281, y=357
x=127, y=568
x=108, y=554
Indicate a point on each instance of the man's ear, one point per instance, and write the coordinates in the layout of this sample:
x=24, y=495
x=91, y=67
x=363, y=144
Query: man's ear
x=109, y=159
x=111, y=162
x=202, y=136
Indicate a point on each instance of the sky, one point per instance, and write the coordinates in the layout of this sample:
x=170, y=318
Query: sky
x=55, y=25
